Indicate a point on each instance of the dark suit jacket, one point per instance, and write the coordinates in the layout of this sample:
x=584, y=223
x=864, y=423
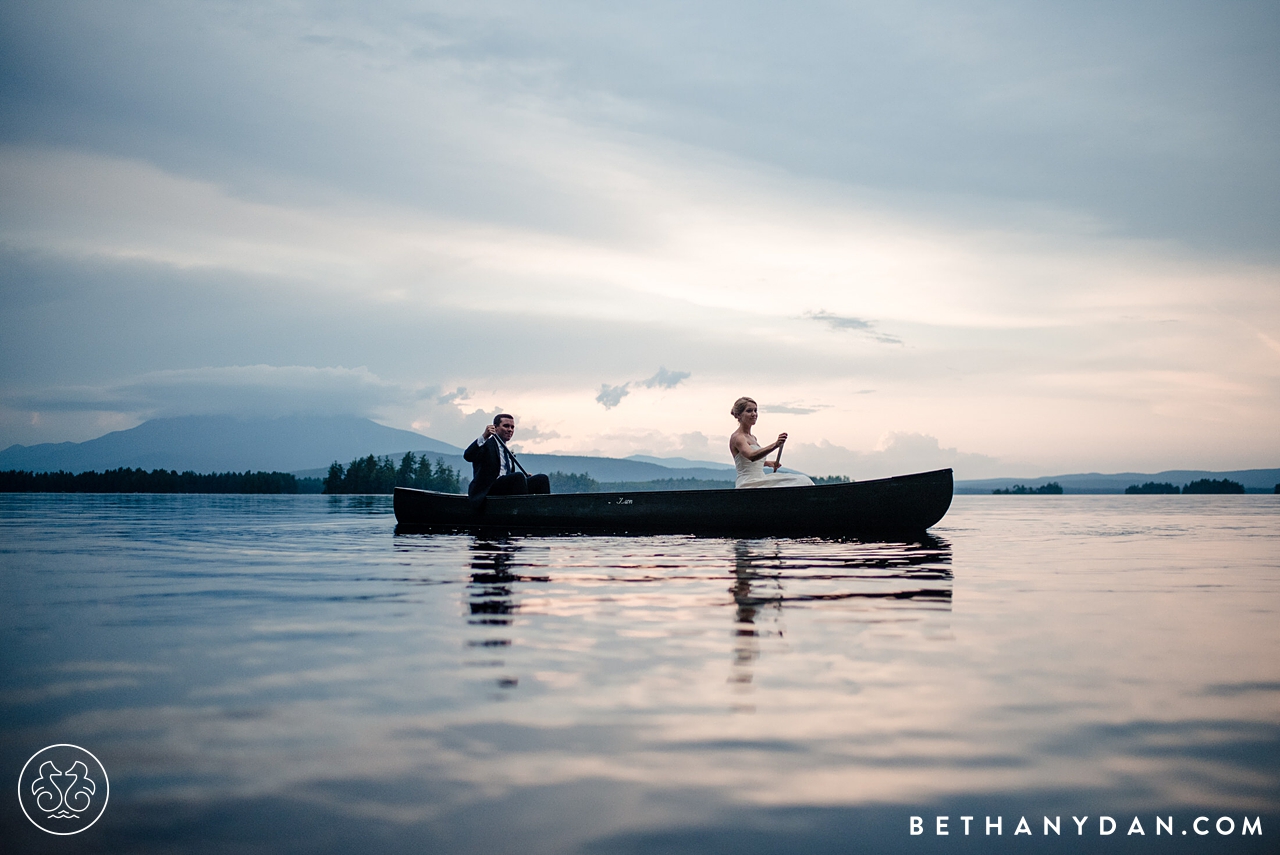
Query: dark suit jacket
x=485, y=466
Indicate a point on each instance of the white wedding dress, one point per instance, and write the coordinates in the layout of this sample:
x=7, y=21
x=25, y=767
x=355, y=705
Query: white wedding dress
x=751, y=473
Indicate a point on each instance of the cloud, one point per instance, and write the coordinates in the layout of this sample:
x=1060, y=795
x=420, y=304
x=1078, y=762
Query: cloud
x=1038, y=102
x=899, y=453
x=665, y=379
x=439, y=415
x=244, y=390
x=611, y=396
x=459, y=394
x=533, y=433
x=693, y=444
x=858, y=325
x=656, y=443
x=1012, y=198
x=794, y=409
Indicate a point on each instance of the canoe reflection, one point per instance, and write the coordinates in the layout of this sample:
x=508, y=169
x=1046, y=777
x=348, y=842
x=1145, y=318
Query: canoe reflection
x=630, y=583
x=769, y=573
x=491, y=599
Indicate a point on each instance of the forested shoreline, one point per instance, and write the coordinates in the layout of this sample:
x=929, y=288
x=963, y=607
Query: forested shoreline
x=381, y=475
x=1202, y=487
x=127, y=480
x=1205, y=486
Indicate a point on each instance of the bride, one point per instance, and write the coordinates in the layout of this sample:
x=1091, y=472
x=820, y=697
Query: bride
x=748, y=456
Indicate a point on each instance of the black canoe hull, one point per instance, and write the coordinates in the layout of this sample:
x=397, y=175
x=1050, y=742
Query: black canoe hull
x=905, y=505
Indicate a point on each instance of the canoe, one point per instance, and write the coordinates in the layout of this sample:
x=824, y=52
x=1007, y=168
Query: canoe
x=902, y=506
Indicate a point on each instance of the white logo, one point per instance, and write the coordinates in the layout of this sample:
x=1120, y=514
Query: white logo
x=63, y=789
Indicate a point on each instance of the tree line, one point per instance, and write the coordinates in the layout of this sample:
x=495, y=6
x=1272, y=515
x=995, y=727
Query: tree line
x=1204, y=486
x=382, y=475
x=573, y=482
x=1053, y=488
x=127, y=480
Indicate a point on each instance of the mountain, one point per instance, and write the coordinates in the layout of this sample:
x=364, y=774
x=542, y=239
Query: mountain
x=224, y=444
x=1254, y=480
x=679, y=462
x=306, y=445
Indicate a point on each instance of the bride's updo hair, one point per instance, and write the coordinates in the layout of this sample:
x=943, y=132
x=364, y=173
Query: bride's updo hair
x=740, y=406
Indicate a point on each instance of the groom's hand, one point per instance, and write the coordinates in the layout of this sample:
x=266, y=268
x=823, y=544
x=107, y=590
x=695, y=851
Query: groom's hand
x=489, y=431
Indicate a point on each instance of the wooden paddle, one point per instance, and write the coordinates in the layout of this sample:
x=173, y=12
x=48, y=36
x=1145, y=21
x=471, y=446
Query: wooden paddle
x=778, y=460
x=517, y=462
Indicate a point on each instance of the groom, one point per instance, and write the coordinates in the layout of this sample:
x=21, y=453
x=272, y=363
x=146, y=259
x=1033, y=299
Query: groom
x=494, y=469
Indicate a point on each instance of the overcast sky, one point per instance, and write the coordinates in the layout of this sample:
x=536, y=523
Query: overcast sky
x=1016, y=238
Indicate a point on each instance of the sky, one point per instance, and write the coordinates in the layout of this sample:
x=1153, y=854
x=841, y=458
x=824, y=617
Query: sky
x=1012, y=238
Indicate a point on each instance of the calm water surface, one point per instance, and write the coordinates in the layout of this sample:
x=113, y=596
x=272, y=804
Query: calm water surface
x=279, y=674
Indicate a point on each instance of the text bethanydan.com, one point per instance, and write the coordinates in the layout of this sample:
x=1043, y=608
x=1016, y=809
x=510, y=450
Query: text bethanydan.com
x=1225, y=826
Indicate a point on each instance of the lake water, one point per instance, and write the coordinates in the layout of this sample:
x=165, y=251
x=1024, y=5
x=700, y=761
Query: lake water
x=286, y=674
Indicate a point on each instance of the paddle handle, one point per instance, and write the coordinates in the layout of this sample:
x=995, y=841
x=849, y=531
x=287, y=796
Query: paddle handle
x=777, y=460
x=515, y=460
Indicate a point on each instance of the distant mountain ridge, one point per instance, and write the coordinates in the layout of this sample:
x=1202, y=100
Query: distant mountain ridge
x=305, y=445
x=679, y=462
x=224, y=444
x=302, y=445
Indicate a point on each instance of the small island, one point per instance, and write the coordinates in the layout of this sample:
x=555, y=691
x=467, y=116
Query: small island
x=1205, y=486
x=1053, y=488
x=1152, y=488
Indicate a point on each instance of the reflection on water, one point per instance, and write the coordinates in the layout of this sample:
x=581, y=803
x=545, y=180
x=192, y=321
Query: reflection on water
x=769, y=573
x=358, y=504
x=285, y=674
x=492, y=600
x=751, y=586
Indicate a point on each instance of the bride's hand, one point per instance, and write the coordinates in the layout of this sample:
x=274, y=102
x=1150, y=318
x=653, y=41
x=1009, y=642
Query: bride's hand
x=773, y=464
x=781, y=440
